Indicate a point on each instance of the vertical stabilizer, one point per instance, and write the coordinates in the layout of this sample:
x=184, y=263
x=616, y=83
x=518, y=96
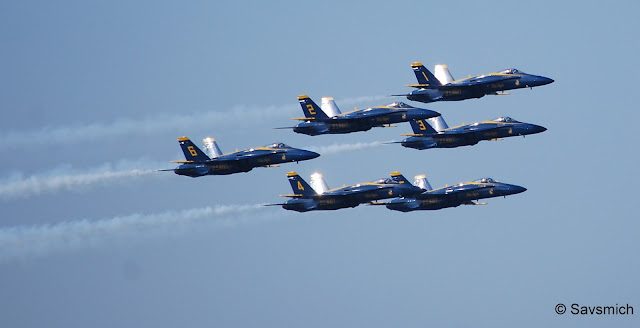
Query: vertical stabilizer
x=211, y=147
x=438, y=123
x=329, y=107
x=442, y=74
x=423, y=75
x=422, y=182
x=310, y=109
x=191, y=151
x=318, y=184
x=422, y=127
x=399, y=178
x=299, y=186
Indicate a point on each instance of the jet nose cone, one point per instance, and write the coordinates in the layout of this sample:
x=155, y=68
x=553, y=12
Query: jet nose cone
x=537, y=128
x=541, y=80
x=545, y=80
x=311, y=154
x=513, y=189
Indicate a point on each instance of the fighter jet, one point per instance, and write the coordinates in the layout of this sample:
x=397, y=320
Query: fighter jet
x=198, y=163
x=431, y=89
x=451, y=196
x=305, y=198
x=425, y=136
x=316, y=121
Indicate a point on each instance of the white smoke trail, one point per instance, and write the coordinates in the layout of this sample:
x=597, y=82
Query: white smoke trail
x=23, y=187
x=40, y=240
x=150, y=125
x=19, y=187
x=337, y=148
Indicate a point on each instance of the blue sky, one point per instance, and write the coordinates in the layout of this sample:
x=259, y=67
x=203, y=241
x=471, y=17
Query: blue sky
x=93, y=90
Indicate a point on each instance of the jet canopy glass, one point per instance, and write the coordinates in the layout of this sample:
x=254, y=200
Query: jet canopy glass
x=486, y=180
x=511, y=71
x=385, y=181
x=277, y=145
x=399, y=104
x=505, y=119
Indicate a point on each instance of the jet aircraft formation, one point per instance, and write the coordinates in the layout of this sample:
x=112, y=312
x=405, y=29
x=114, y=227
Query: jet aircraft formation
x=429, y=131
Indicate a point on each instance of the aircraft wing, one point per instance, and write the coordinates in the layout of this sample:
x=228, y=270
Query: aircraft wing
x=446, y=191
x=486, y=79
x=366, y=114
x=474, y=81
x=356, y=189
x=242, y=155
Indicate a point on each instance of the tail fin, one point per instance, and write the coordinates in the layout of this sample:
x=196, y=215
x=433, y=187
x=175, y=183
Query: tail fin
x=399, y=178
x=422, y=127
x=211, y=147
x=191, y=151
x=442, y=74
x=423, y=75
x=310, y=109
x=318, y=184
x=329, y=107
x=439, y=123
x=299, y=186
x=422, y=182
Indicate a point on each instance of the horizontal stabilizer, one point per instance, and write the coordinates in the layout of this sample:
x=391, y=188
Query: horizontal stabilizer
x=274, y=204
x=184, y=162
x=403, y=95
x=266, y=166
x=164, y=170
x=412, y=135
x=473, y=203
x=285, y=127
x=421, y=86
x=293, y=195
x=499, y=94
x=377, y=203
x=303, y=118
x=391, y=142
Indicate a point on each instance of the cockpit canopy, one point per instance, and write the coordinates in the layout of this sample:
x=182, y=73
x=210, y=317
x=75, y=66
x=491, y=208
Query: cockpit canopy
x=486, y=180
x=511, y=71
x=505, y=119
x=399, y=104
x=277, y=145
x=386, y=181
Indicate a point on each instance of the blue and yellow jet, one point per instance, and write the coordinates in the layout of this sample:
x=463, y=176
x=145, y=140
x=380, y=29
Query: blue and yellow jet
x=451, y=196
x=425, y=136
x=306, y=198
x=198, y=163
x=317, y=122
x=431, y=89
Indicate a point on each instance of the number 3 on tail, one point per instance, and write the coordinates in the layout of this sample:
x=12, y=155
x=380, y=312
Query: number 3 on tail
x=421, y=124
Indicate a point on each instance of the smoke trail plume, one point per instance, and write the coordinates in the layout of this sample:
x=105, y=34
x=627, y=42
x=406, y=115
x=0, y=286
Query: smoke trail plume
x=56, y=180
x=337, y=148
x=150, y=125
x=39, y=240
